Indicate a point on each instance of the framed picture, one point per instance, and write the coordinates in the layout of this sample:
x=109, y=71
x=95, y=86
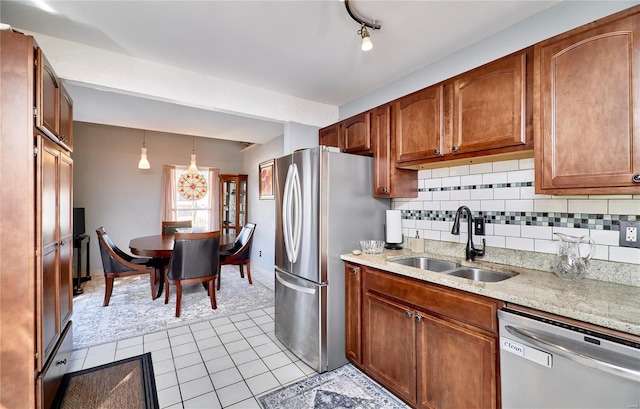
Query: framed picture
x=266, y=179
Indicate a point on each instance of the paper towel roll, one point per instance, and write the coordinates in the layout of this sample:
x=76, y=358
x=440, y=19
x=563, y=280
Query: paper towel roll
x=394, y=226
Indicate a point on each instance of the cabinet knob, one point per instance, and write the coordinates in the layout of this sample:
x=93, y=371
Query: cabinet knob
x=384, y=190
x=408, y=314
x=354, y=271
x=636, y=178
x=418, y=318
x=454, y=148
x=436, y=151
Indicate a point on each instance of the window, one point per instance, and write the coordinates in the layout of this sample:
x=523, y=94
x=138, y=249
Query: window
x=198, y=211
x=204, y=212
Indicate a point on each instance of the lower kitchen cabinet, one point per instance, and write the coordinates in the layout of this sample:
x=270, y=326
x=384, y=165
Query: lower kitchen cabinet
x=432, y=346
x=456, y=366
x=390, y=345
x=353, y=309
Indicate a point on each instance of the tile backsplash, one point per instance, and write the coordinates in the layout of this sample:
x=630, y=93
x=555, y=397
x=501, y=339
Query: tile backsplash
x=516, y=218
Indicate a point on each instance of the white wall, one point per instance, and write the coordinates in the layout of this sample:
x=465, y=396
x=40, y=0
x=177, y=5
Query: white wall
x=121, y=197
x=261, y=212
x=299, y=136
x=550, y=22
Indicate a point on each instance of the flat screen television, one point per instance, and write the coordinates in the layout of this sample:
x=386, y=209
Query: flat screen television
x=78, y=221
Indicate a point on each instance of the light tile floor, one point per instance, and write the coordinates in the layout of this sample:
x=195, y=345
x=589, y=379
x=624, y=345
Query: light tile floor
x=222, y=363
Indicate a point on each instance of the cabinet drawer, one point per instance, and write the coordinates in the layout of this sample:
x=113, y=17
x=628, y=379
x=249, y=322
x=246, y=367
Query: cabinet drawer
x=465, y=307
x=49, y=379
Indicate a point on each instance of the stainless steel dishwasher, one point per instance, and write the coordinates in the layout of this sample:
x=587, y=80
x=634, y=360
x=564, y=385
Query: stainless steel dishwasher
x=547, y=363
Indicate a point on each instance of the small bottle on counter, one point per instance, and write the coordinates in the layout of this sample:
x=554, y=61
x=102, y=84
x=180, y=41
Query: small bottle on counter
x=417, y=244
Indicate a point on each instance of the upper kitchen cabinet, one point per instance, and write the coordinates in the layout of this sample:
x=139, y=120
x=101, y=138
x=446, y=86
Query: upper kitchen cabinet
x=388, y=181
x=53, y=105
x=47, y=96
x=586, y=98
x=330, y=136
x=419, y=125
x=356, y=134
x=482, y=115
x=492, y=106
x=352, y=135
x=66, y=118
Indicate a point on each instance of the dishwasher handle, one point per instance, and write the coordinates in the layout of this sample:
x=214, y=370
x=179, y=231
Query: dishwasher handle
x=574, y=355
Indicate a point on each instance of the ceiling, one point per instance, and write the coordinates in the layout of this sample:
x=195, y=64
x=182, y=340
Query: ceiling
x=306, y=50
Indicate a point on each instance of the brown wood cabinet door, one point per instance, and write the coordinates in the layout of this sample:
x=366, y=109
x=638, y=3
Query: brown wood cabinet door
x=490, y=109
x=419, y=124
x=388, y=181
x=66, y=118
x=587, y=90
x=330, y=136
x=48, y=284
x=456, y=366
x=47, y=96
x=356, y=133
x=353, y=317
x=389, y=345
x=65, y=218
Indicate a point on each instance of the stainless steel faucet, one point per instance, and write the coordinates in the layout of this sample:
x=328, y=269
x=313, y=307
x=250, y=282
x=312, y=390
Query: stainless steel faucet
x=471, y=252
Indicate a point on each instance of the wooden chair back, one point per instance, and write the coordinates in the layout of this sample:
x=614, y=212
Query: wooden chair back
x=169, y=227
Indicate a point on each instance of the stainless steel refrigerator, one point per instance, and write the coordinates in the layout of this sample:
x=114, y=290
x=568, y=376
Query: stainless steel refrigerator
x=324, y=207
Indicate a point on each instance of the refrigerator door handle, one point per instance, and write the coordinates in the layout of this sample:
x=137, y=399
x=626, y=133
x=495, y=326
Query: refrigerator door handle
x=286, y=214
x=295, y=287
x=297, y=212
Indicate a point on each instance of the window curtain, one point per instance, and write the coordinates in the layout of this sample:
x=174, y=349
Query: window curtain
x=169, y=205
x=214, y=198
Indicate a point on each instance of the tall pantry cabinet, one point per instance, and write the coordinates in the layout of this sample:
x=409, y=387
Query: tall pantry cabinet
x=36, y=232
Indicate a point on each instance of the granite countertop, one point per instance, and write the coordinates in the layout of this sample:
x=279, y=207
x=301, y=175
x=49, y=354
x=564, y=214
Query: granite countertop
x=609, y=305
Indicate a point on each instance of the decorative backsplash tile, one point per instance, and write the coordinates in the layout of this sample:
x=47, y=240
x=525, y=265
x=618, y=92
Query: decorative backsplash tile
x=515, y=216
x=574, y=220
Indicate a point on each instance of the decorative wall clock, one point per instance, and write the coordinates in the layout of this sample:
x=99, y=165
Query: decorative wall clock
x=192, y=186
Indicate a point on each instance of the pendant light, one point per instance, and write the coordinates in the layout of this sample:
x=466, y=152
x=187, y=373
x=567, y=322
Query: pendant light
x=144, y=162
x=193, y=168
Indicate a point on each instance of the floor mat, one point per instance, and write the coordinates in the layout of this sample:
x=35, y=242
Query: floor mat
x=345, y=387
x=128, y=383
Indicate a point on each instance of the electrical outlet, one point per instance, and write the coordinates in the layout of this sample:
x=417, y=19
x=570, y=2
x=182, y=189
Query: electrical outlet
x=478, y=226
x=260, y=253
x=629, y=234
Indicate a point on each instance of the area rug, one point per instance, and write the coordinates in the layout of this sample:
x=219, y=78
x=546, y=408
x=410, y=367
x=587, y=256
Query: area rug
x=345, y=387
x=128, y=383
x=131, y=311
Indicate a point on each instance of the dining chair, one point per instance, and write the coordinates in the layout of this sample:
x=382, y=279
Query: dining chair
x=116, y=263
x=240, y=254
x=169, y=227
x=194, y=260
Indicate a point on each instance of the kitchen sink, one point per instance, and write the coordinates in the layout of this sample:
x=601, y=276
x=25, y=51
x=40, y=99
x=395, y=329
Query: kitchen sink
x=478, y=274
x=427, y=263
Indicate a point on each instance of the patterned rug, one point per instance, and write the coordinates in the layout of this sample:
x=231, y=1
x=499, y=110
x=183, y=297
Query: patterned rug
x=128, y=383
x=131, y=312
x=345, y=387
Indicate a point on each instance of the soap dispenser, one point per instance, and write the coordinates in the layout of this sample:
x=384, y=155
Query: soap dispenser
x=417, y=244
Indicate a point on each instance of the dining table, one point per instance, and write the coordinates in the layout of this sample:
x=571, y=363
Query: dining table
x=159, y=247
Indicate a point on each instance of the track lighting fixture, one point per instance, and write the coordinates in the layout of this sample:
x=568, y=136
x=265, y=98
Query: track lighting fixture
x=363, y=32
x=366, y=38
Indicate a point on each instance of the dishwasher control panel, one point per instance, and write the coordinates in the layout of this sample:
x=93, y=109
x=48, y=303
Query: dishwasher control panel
x=526, y=352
